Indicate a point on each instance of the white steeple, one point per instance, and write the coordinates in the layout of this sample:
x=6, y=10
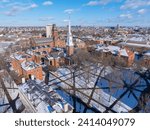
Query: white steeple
x=69, y=36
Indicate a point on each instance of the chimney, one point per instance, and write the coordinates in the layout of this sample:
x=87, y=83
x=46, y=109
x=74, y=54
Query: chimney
x=23, y=80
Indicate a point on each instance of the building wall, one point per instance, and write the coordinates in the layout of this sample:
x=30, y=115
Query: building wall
x=119, y=59
x=17, y=67
x=131, y=59
x=145, y=62
x=37, y=59
x=60, y=43
x=16, y=64
x=54, y=62
x=49, y=31
x=81, y=45
x=70, y=50
x=43, y=49
x=37, y=72
x=100, y=41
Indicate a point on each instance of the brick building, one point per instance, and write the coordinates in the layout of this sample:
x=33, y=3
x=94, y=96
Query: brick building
x=127, y=56
x=42, y=44
x=25, y=66
x=146, y=59
x=42, y=47
x=30, y=69
x=44, y=51
x=57, y=41
x=55, y=59
x=122, y=56
x=17, y=59
x=80, y=44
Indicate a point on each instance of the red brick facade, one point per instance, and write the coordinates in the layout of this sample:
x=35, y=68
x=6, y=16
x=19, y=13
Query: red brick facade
x=17, y=66
x=70, y=50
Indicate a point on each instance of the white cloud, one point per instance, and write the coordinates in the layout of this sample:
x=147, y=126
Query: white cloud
x=33, y=6
x=46, y=18
x=8, y=13
x=69, y=11
x=133, y=4
x=65, y=20
x=46, y=3
x=19, y=7
x=100, y=2
x=93, y=3
x=128, y=16
x=4, y=1
x=141, y=11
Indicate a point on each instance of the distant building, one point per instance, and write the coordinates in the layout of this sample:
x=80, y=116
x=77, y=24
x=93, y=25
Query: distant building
x=57, y=41
x=145, y=60
x=118, y=27
x=49, y=31
x=54, y=34
x=39, y=42
x=122, y=55
x=127, y=56
x=54, y=59
x=80, y=44
x=40, y=47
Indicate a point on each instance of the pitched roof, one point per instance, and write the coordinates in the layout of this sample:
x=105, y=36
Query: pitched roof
x=42, y=40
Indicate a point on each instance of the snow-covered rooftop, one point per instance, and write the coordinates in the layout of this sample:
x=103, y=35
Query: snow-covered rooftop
x=147, y=53
x=28, y=65
x=20, y=56
x=43, y=98
x=123, y=52
x=135, y=44
x=113, y=49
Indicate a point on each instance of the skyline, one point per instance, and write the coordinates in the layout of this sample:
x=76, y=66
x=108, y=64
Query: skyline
x=83, y=12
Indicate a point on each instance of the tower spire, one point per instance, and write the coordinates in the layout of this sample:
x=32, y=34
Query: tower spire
x=69, y=36
x=69, y=44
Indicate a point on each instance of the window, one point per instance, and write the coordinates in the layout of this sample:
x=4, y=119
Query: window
x=50, y=62
x=29, y=76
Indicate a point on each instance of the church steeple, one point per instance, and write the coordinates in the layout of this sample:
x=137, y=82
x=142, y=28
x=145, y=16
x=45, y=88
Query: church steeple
x=69, y=44
x=69, y=35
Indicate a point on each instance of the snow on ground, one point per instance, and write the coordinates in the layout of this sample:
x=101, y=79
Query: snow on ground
x=82, y=82
x=129, y=77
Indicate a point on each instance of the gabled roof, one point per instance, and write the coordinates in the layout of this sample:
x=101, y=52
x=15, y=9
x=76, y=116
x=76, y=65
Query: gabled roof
x=29, y=65
x=20, y=56
x=123, y=52
x=55, y=55
x=42, y=40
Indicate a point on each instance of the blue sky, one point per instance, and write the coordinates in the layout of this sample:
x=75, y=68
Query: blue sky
x=83, y=12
